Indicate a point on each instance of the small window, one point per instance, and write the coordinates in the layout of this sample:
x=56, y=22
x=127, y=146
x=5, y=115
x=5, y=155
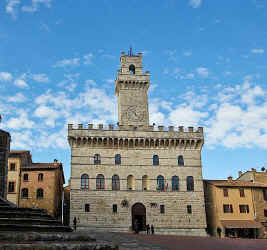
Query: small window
x=97, y=159
x=243, y=209
x=40, y=194
x=25, y=177
x=189, y=209
x=24, y=193
x=155, y=160
x=132, y=69
x=162, y=209
x=40, y=177
x=84, y=182
x=265, y=194
x=100, y=182
x=190, y=183
x=180, y=160
x=12, y=167
x=265, y=212
x=227, y=208
x=242, y=192
x=117, y=159
x=87, y=208
x=225, y=192
x=11, y=187
x=115, y=208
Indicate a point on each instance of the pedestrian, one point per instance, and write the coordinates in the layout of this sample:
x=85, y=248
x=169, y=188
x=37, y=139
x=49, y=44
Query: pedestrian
x=147, y=229
x=152, y=229
x=74, y=223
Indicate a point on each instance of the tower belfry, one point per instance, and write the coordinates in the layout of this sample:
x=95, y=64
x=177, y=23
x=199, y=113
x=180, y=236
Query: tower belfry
x=131, y=90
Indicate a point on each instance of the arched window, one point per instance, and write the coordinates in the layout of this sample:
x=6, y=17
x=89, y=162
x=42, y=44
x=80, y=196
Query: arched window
x=97, y=159
x=40, y=194
x=115, y=182
x=130, y=182
x=100, y=182
x=132, y=69
x=160, y=183
x=145, y=182
x=117, y=159
x=180, y=160
x=190, y=183
x=175, y=183
x=85, y=181
x=24, y=193
x=40, y=177
x=155, y=160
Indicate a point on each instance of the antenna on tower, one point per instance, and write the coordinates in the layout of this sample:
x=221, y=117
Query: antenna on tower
x=130, y=53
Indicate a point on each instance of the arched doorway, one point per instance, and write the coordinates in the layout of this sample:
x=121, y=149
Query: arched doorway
x=139, y=217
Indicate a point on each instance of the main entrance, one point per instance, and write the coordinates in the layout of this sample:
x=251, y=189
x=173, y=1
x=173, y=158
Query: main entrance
x=139, y=217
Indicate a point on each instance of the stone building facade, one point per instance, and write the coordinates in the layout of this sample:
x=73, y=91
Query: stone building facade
x=133, y=174
x=5, y=140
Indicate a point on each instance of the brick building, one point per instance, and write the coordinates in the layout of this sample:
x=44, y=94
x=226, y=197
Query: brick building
x=124, y=177
x=259, y=196
x=230, y=208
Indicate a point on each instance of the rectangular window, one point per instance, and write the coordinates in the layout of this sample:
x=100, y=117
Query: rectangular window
x=265, y=212
x=244, y=209
x=115, y=208
x=162, y=209
x=25, y=177
x=87, y=208
x=225, y=192
x=11, y=187
x=242, y=192
x=227, y=208
x=12, y=167
x=189, y=209
x=265, y=194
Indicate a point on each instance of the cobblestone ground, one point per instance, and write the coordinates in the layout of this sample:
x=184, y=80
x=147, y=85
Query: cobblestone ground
x=127, y=241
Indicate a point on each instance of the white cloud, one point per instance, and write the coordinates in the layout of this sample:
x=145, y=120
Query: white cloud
x=20, y=122
x=187, y=53
x=202, y=71
x=257, y=51
x=88, y=58
x=21, y=83
x=35, y=5
x=195, y=3
x=40, y=78
x=90, y=82
x=49, y=114
x=11, y=7
x=19, y=97
x=5, y=76
x=67, y=62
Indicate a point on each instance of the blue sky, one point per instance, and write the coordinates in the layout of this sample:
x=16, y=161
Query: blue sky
x=207, y=60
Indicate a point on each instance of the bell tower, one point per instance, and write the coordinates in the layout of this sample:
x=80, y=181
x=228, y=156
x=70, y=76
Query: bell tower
x=131, y=90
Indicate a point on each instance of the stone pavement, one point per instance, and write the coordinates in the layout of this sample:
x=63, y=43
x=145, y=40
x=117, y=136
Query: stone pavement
x=128, y=241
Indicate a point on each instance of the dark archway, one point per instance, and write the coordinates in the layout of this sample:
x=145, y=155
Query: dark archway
x=139, y=217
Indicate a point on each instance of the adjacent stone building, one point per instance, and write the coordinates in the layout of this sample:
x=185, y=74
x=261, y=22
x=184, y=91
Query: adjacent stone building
x=5, y=140
x=259, y=197
x=126, y=176
x=230, y=207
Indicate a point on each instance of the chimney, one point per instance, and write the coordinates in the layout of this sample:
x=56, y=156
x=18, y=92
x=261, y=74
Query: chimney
x=230, y=178
x=55, y=162
x=239, y=173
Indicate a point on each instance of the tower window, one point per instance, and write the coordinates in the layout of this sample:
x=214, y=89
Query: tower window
x=117, y=159
x=97, y=159
x=190, y=183
x=162, y=209
x=115, y=182
x=155, y=160
x=175, y=183
x=87, y=208
x=180, y=160
x=115, y=208
x=85, y=181
x=132, y=69
x=100, y=182
x=160, y=183
x=189, y=209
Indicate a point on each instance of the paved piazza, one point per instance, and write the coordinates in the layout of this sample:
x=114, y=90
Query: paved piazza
x=168, y=242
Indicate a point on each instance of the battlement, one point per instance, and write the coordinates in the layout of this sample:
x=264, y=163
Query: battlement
x=112, y=127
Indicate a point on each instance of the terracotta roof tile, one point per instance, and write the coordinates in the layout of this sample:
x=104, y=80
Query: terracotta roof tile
x=233, y=183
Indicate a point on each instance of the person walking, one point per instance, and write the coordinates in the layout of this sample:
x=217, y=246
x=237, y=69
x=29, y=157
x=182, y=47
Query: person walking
x=74, y=223
x=147, y=229
x=152, y=229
